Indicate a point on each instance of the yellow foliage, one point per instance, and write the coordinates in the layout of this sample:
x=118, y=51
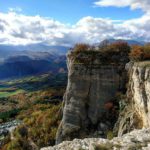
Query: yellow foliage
x=40, y=126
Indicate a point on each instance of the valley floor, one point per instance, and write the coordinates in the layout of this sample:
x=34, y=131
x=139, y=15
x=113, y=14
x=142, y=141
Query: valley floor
x=31, y=105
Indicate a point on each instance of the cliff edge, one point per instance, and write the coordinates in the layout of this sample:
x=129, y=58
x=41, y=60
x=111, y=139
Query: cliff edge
x=89, y=104
x=136, y=113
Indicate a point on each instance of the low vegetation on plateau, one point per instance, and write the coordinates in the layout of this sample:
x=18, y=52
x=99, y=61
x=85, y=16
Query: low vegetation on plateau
x=140, y=53
x=110, y=52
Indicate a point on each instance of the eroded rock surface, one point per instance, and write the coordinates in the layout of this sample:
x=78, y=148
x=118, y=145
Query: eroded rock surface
x=88, y=101
x=136, y=114
x=135, y=140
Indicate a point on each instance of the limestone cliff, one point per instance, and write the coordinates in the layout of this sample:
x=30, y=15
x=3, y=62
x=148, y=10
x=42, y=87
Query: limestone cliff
x=89, y=99
x=136, y=114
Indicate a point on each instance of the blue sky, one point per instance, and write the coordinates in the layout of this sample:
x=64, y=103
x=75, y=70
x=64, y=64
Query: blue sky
x=66, y=22
x=69, y=11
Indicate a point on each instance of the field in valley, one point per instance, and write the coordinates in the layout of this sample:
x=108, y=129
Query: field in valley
x=19, y=93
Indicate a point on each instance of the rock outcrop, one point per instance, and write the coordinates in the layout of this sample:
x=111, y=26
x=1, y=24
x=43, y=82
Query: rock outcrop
x=89, y=106
x=136, y=114
x=135, y=140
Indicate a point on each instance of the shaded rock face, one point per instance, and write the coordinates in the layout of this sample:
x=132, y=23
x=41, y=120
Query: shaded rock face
x=136, y=140
x=88, y=101
x=136, y=114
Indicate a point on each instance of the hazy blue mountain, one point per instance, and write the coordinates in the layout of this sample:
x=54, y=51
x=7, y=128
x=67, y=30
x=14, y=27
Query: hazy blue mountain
x=13, y=50
x=33, y=64
x=130, y=42
x=19, y=61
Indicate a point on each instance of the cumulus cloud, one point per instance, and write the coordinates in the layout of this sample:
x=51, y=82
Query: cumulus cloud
x=15, y=9
x=16, y=28
x=139, y=27
x=21, y=29
x=133, y=4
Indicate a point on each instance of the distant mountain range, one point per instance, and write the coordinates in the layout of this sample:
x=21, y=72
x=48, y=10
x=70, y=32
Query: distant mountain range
x=130, y=42
x=20, y=66
x=13, y=50
x=20, y=61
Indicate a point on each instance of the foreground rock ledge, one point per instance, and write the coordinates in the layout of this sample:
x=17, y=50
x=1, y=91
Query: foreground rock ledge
x=135, y=140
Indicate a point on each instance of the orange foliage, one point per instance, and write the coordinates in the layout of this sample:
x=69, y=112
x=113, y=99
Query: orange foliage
x=81, y=47
x=146, y=52
x=119, y=46
x=137, y=52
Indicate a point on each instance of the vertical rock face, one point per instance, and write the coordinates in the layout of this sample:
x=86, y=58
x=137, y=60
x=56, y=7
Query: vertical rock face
x=137, y=112
x=88, y=101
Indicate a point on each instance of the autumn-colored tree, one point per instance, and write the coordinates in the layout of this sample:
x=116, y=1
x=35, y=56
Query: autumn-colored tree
x=146, y=54
x=81, y=47
x=119, y=46
x=40, y=124
x=137, y=53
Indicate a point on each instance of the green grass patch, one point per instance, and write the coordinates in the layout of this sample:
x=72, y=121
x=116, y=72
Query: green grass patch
x=5, y=116
x=6, y=93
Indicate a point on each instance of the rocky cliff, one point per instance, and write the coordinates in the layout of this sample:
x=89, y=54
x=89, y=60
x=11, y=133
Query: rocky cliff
x=136, y=114
x=89, y=105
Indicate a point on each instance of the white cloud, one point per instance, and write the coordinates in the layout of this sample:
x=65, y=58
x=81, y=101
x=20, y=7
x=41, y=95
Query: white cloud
x=139, y=27
x=21, y=29
x=133, y=4
x=94, y=29
x=120, y=3
x=15, y=9
x=16, y=28
x=135, y=28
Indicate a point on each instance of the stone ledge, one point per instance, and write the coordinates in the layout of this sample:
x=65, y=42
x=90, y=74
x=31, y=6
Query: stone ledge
x=137, y=139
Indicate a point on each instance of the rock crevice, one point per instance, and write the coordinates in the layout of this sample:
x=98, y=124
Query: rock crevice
x=138, y=99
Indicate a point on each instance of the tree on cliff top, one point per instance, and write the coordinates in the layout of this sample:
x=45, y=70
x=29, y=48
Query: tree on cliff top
x=136, y=52
x=81, y=47
x=147, y=52
x=140, y=53
x=119, y=46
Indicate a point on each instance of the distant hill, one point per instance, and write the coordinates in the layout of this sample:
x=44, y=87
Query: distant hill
x=12, y=50
x=130, y=42
x=23, y=60
x=32, y=64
